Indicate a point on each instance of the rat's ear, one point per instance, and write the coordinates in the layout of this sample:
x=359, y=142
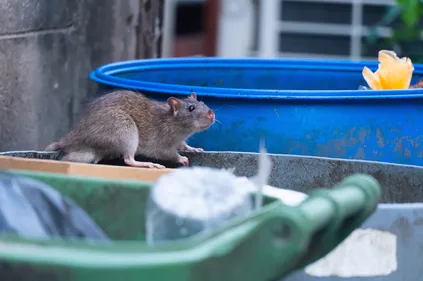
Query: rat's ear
x=193, y=95
x=174, y=104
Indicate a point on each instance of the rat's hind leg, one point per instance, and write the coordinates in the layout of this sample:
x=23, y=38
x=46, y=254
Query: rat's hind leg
x=129, y=145
x=130, y=161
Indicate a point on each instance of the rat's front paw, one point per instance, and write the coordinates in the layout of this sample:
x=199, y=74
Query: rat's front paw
x=183, y=160
x=194, y=149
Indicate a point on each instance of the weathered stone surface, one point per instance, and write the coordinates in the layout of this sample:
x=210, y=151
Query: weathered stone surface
x=28, y=15
x=47, y=51
x=36, y=89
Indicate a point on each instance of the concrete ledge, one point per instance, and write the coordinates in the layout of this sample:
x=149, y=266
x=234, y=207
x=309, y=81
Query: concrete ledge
x=400, y=183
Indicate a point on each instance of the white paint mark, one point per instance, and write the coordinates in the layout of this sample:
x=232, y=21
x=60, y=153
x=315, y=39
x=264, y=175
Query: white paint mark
x=366, y=252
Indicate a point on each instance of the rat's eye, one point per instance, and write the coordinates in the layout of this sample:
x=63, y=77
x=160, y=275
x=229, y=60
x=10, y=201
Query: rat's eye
x=191, y=108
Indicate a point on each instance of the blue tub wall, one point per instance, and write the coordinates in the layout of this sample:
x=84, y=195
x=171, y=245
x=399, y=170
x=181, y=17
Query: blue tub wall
x=383, y=126
x=342, y=129
x=288, y=75
x=288, y=79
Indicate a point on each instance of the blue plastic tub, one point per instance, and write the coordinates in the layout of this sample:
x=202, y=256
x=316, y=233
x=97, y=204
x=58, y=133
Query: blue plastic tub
x=303, y=107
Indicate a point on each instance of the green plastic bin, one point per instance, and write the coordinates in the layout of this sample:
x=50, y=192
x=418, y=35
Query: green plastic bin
x=271, y=243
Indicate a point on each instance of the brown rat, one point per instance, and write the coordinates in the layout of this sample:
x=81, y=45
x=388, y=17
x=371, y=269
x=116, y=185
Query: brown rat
x=126, y=123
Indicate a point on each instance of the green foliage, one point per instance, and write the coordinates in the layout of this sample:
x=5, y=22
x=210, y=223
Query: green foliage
x=406, y=19
x=411, y=12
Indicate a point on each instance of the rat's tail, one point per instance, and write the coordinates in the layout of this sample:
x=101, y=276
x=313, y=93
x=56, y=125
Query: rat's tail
x=53, y=146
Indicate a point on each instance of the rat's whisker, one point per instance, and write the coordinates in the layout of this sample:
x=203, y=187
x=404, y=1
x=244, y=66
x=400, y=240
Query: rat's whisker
x=223, y=115
x=224, y=105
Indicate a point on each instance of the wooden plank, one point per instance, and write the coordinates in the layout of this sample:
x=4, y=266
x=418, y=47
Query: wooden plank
x=81, y=169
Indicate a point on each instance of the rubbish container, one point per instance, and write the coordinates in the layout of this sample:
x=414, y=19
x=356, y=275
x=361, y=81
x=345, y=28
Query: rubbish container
x=265, y=246
x=301, y=107
x=387, y=245
x=393, y=231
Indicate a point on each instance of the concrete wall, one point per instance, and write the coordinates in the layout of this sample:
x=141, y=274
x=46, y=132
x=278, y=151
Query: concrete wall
x=47, y=50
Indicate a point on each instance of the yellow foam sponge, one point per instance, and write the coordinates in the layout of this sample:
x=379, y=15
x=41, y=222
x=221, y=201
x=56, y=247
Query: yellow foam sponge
x=393, y=73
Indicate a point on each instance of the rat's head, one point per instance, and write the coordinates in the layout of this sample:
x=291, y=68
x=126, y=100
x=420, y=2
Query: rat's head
x=191, y=114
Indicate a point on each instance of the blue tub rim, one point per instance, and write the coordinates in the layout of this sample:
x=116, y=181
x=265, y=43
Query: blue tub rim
x=104, y=75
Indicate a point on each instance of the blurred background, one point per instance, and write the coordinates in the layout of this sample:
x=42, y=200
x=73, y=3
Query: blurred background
x=339, y=29
x=48, y=48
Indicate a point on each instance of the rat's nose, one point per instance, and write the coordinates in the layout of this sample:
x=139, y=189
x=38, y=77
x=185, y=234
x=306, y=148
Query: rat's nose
x=210, y=114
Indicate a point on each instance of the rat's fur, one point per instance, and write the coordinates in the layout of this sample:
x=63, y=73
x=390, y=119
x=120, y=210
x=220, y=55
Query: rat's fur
x=125, y=123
